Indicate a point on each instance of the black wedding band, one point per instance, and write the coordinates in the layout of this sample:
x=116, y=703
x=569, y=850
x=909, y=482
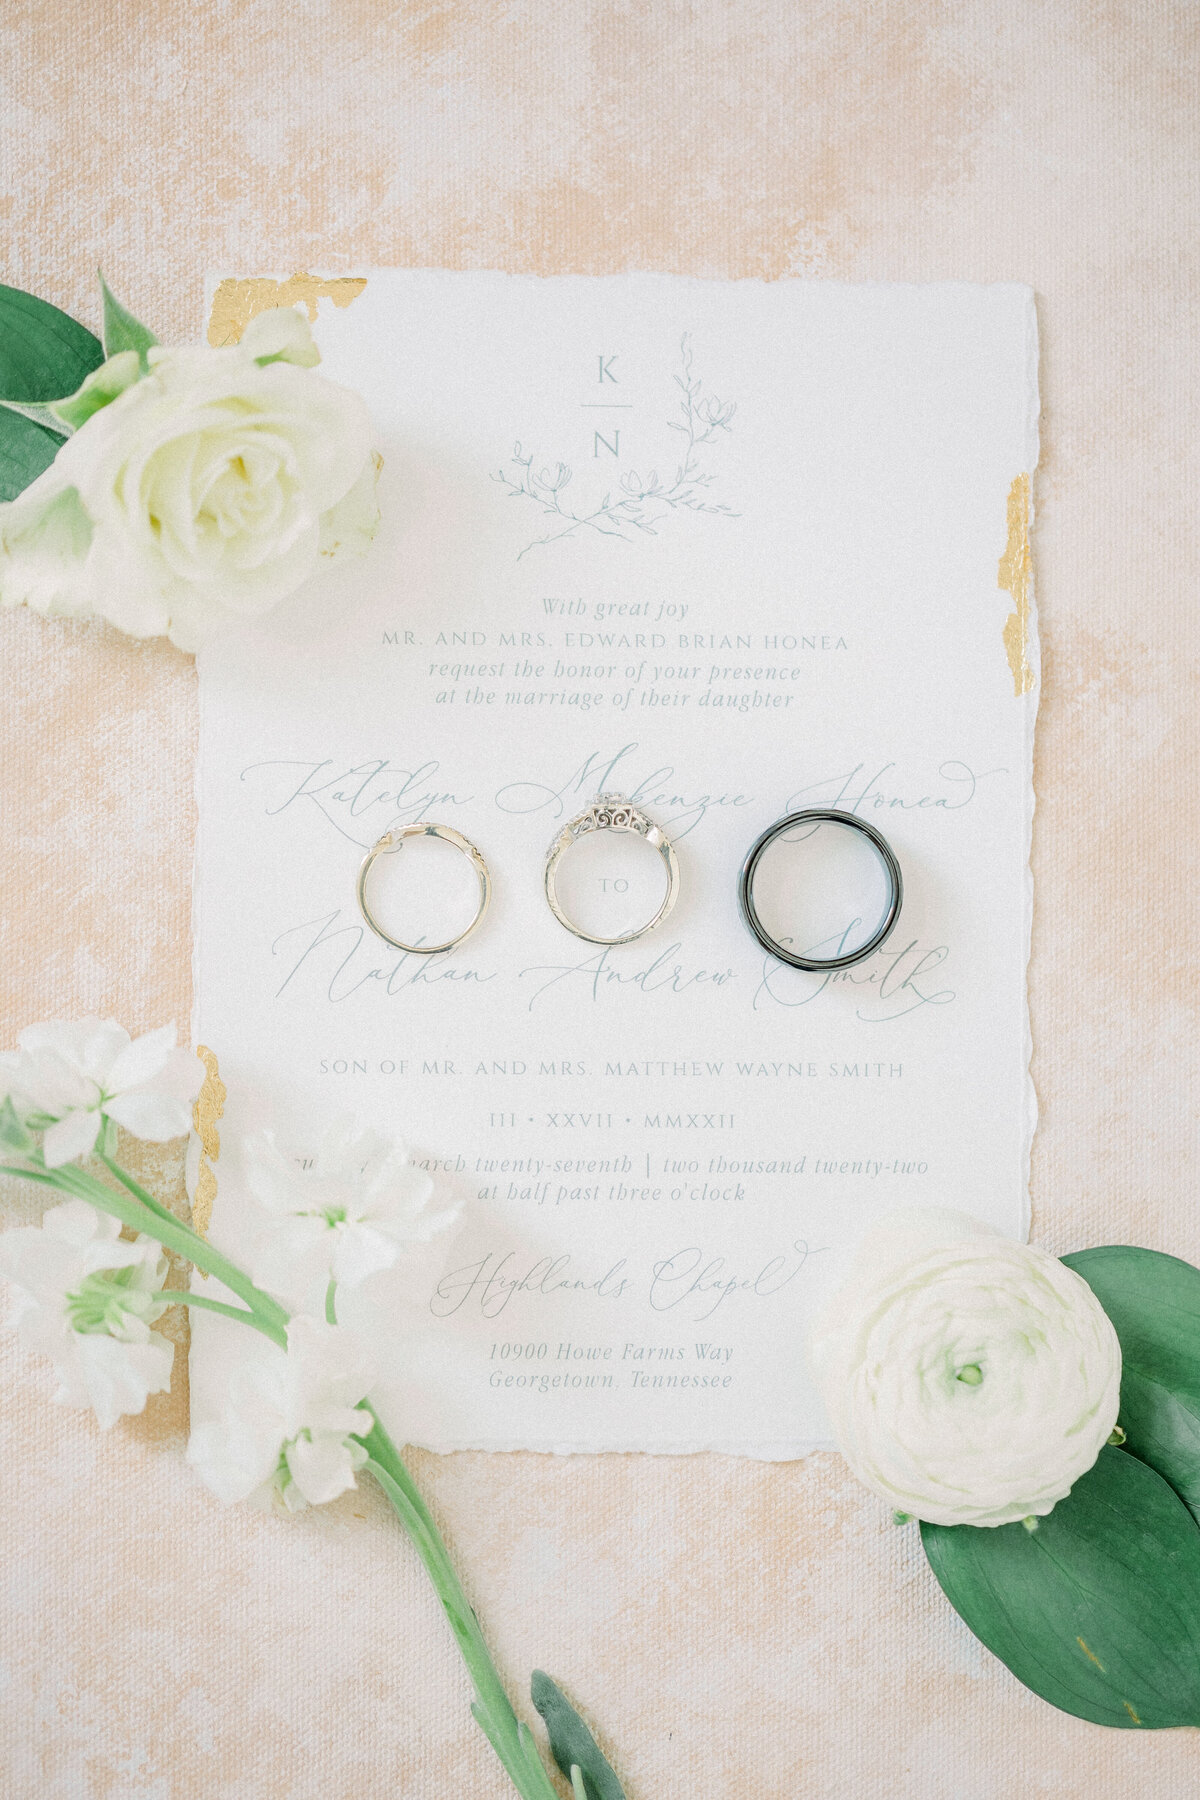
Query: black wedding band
x=819, y=816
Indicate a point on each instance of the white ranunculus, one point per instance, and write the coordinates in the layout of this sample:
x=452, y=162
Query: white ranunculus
x=205, y=491
x=290, y=1425
x=64, y=1078
x=970, y=1380
x=343, y=1211
x=85, y=1298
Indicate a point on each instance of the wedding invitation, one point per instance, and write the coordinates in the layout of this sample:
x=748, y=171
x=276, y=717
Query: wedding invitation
x=729, y=550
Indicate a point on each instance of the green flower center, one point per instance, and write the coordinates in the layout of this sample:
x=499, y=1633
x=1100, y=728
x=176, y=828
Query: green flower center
x=971, y=1374
x=106, y=1301
x=333, y=1216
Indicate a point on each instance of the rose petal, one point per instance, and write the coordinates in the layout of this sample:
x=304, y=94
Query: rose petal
x=45, y=535
x=349, y=526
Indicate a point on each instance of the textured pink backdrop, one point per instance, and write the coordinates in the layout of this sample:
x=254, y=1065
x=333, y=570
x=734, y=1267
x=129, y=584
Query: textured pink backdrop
x=737, y=1631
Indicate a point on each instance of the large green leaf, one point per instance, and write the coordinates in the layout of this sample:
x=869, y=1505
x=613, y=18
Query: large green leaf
x=44, y=353
x=25, y=450
x=1098, y=1610
x=1154, y=1302
x=573, y=1745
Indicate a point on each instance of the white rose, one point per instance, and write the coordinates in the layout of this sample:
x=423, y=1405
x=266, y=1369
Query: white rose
x=970, y=1380
x=206, y=490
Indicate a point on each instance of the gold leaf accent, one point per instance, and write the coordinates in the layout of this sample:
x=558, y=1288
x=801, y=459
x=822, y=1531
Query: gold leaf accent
x=235, y=302
x=210, y=1104
x=1015, y=574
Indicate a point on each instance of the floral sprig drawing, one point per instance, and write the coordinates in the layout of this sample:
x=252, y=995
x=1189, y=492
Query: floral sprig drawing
x=640, y=503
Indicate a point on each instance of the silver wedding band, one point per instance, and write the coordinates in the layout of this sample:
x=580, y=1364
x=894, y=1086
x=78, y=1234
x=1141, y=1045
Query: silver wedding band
x=394, y=841
x=882, y=849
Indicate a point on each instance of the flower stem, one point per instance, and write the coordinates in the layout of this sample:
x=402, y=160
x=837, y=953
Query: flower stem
x=511, y=1740
x=181, y=1297
x=134, y=1187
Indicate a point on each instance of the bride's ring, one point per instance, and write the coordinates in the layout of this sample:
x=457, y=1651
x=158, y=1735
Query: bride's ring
x=395, y=840
x=611, y=812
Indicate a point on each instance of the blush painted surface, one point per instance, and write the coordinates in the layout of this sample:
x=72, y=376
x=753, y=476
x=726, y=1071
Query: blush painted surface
x=737, y=1631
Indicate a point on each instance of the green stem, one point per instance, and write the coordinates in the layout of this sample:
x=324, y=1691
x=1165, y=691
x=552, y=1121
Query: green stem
x=510, y=1739
x=330, y=1304
x=181, y=1297
x=134, y=1187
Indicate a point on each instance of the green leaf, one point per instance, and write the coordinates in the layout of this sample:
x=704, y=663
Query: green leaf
x=25, y=450
x=1098, y=1610
x=102, y=387
x=573, y=1745
x=44, y=353
x=122, y=331
x=1154, y=1303
x=40, y=414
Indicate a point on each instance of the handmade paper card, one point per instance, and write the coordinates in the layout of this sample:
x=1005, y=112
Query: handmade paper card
x=725, y=550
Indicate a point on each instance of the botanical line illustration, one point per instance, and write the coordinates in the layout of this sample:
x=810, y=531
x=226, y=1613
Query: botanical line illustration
x=639, y=503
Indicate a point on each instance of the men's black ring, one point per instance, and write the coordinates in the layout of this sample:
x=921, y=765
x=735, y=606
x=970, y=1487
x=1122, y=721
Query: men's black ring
x=882, y=849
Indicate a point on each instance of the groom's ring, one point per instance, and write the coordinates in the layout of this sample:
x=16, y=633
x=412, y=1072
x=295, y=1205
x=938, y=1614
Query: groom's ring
x=611, y=812
x=818, y=816
x=395, y=840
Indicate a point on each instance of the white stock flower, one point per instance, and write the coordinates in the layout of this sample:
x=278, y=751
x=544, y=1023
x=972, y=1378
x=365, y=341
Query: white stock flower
x=202, y=492
x=969, y=1379
x=65, y=1078
x=83, y=1297
x=347, y=1210
x=288, y=1430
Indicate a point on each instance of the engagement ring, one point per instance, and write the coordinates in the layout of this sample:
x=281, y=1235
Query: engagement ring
x=611, y=812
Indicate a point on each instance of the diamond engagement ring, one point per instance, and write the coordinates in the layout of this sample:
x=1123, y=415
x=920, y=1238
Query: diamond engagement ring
x=393, y=841
x=612, y=812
